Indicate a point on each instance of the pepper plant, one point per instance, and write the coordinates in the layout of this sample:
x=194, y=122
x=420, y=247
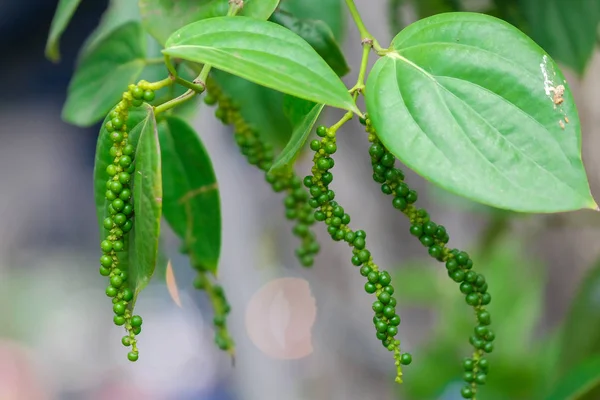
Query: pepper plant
x=466, y=100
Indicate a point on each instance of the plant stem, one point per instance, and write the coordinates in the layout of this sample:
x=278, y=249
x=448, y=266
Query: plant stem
x=347, y=117
x=190, y=85
x=364, y=33
x=160, y=84
x=362, y=29
x=174, y=102
x=154, y=61
x=193, y=88
x=170, y=67
x=360, y=82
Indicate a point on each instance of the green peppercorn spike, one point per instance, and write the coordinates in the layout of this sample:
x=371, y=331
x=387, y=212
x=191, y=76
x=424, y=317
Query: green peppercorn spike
x=297, y=205
x=458, y=263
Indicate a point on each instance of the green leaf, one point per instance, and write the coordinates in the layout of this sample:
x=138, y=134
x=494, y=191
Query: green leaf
x=103, y=159
x=147, y=203
x=262, y=107
x=303, y=114
x=578, y=382
x=119, y=13
x=62, y=16
x=565, y=29
x=264, y=53
x=163, y=17
x=295, y=109
x=259, y=9
x=191, y=201
x=332, y=12
x=104, y=73
x=319, y=36
x=468, y=102
x=582, y=322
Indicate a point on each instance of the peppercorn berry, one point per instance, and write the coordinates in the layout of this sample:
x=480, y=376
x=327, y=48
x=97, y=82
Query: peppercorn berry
x=435, y=237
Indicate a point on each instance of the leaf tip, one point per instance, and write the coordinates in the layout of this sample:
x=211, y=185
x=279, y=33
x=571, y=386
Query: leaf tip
x=52, y=54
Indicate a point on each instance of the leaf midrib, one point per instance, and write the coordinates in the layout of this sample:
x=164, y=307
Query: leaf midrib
x=470, y=46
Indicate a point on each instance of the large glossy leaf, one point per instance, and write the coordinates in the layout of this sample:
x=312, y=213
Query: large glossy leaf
x=163, y=17
x=147, y=200
x=581, y=332
x=191, y=202
x=565, y=29
x=303, y=115
x=473, y=105
x=319, y=36
x=103, y=159
x=579, y=382
x=103, y=75
x=64, y=13
x=264, y=53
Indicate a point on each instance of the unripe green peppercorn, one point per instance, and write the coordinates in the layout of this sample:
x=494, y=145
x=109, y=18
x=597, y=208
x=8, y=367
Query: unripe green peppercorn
x=405, y=359
x=119, y=309
x=106, y=261
x=370, y=287
x=378, y=306
x=484, y=317
x=148, y=95
x=106, y=245
x=136, y=320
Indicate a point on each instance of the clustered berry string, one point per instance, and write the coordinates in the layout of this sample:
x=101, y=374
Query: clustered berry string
x=386, y=320
x=458, y=263
x=121, y=214
x=218, y=300
x=261, y=154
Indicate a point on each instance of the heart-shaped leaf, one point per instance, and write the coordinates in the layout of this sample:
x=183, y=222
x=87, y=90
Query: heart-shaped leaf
x=104, y=73
x=163, y=17
x=62, y=16
x=147, y=204
x=567, y=30
x=264, y=53
x=303, y=115
x=191, y=202
x=475, y=106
